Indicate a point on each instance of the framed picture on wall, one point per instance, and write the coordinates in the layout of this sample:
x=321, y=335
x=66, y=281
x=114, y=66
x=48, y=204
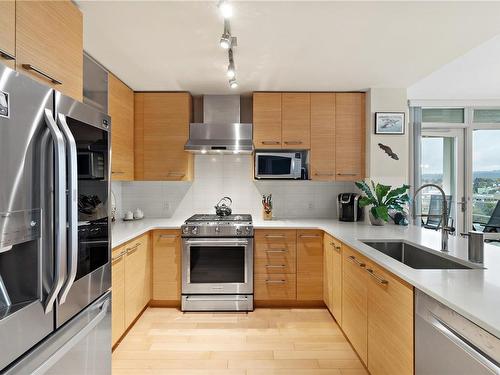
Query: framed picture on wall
x=389, y=122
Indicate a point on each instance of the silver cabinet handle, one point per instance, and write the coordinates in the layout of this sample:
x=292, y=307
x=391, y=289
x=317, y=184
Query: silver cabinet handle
x=72, y=186
x=42, y=73
x=130, y=250
x=347, y=174
x=6, y=55
x=336, y=247
x=118, y=256
x=271, y=143
x=275, y=281
x=354, y=260
x=378, y=278
x=293, y=142
x=175, y=174
x=323, y=174
x=277, y=251
x=59, y=207
x=275, y=266
x=274, y=236
x=167, y=236
x=309, y=236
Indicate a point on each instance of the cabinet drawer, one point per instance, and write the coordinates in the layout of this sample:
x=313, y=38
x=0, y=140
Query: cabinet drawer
x=275, y=287
x=275, y=237
x=275, y=263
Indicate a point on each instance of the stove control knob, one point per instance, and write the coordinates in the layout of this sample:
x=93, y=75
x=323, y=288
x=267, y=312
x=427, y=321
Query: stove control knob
x=185, y=230
x=247, y=230
x=239, y=230
x=194, y=230
x=217, y=229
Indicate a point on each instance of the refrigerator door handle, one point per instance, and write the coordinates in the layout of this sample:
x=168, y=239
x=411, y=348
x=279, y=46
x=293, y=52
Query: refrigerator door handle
x=54, y=358
x=72, y=208
x=60, y=209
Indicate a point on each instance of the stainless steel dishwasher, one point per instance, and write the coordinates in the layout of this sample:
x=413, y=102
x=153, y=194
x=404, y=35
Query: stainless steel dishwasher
x=446, y=343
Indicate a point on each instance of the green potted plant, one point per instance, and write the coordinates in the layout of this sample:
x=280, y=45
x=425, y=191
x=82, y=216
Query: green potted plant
x=382, y=198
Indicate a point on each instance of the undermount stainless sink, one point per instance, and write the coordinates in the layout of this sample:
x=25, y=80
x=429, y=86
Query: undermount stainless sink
x=415, y=257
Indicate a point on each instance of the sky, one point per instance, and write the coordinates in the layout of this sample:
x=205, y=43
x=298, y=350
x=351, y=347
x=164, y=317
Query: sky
x=486, y=152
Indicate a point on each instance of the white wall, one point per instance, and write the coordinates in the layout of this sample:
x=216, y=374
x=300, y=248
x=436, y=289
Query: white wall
x=475, y=75
x=216, y=176
x=379, y=166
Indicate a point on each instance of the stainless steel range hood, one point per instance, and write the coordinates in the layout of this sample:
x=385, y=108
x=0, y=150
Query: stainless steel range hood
x=221, y=130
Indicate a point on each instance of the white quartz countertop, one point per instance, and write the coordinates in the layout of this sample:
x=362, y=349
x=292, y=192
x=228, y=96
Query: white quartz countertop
x=473, y=293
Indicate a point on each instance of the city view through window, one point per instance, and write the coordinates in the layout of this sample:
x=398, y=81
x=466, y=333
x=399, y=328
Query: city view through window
x=438, y=168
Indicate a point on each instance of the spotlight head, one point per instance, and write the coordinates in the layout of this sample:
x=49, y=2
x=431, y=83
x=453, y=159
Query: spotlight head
x=231, y=71
x=232, y=83
x=225, y=8
x=225, y=41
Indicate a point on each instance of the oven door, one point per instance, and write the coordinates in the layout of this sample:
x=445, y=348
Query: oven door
x=217, y=266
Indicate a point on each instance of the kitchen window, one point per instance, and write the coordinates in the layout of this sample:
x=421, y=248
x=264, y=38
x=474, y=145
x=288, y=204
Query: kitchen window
x=456, y=147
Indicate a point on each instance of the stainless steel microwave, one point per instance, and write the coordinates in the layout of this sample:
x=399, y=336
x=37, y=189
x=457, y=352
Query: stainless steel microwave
x=91, y=165
x=278, y=165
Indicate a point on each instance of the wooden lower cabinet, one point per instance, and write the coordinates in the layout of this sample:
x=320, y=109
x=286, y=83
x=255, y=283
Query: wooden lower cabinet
x=117, y=295
x=309, y=265
x=332, y=276
x=137, y=277
x=377, y=315
x=327, y=271
x=278, y=287
x=390, y=324
x=167, y=265
x=8, y=33
x=355, y=301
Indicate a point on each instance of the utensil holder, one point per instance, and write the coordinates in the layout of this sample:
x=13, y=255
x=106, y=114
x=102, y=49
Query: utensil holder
x=267, y=215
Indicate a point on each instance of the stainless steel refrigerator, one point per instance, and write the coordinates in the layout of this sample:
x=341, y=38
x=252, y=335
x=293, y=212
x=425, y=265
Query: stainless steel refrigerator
x=55, y=271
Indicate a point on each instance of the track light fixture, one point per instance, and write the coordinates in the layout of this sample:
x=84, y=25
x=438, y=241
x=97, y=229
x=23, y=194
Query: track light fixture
x=225, y=8
x=231, y=70
x=227, y=41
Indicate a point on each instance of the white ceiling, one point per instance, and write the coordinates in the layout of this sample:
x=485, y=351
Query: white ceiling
x=475, y=75
x=284, y=45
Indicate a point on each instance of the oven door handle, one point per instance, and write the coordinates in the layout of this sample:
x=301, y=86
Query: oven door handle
x=217, y=242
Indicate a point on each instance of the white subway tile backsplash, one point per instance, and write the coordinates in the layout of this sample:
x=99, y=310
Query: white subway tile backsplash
x=217, y=176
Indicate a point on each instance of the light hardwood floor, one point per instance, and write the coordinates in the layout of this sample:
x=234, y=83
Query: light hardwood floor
x=266, y=341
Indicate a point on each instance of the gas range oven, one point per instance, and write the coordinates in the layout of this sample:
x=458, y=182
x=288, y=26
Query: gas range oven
x=217, y=263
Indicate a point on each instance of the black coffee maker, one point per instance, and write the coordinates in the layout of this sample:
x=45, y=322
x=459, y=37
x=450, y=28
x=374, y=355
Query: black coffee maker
x=348, y=207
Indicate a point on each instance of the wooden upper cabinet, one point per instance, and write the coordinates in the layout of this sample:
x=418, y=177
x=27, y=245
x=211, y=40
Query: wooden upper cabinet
x=161, y=131
x=121, y=110
x=390, y=324
x=349, y=136
x=267, y=120
x=322, y=155
x=296, y=121
x=49, y=44
x=309, y=265
x=8, y=32
x=355, y=301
